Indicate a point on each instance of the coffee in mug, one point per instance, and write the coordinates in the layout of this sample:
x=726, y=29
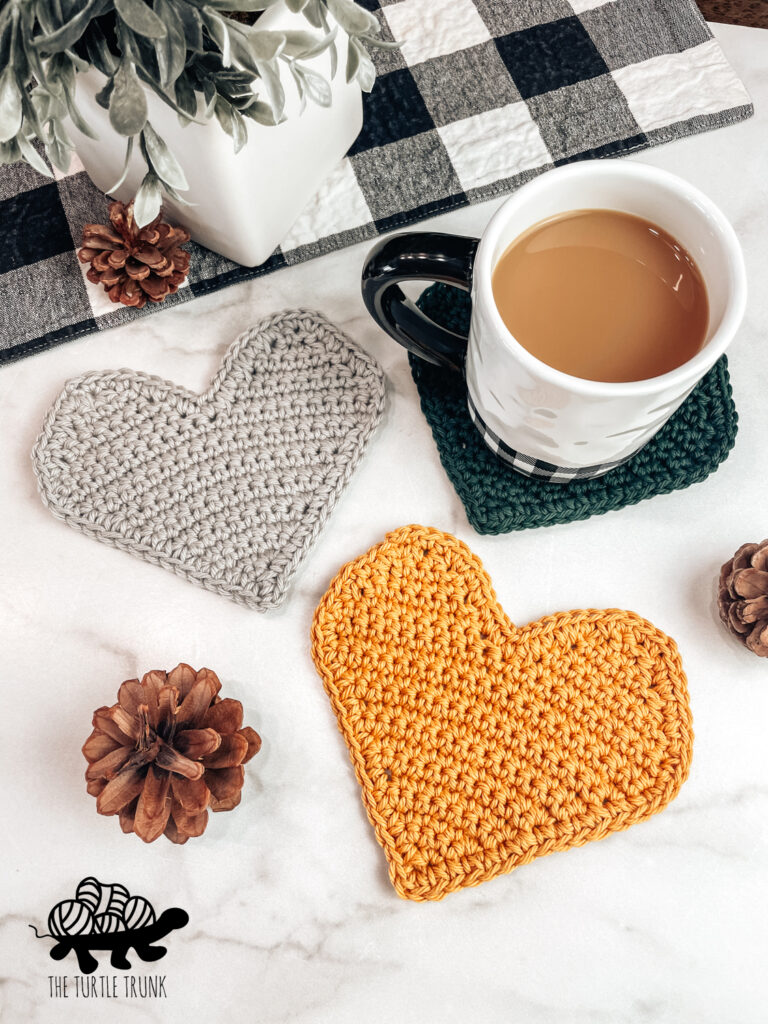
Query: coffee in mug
x=575, y=359
x=602, y=295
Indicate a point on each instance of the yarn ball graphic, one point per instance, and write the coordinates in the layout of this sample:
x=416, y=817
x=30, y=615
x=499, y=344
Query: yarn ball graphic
x=70, y=917
x=100, y=908
x=89, y=892
x=106, y=924
x=117, y=898
x=138, y=912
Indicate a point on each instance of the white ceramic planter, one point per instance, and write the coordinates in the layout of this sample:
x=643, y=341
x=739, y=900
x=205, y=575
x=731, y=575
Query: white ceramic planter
x=245, y=203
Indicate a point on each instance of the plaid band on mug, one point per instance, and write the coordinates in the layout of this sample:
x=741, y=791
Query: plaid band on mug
x=529, y=466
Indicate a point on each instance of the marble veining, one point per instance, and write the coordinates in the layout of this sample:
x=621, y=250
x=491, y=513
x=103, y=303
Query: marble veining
x=292, y=917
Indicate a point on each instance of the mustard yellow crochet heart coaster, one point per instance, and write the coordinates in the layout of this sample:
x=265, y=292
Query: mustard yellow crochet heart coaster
x=480, y=745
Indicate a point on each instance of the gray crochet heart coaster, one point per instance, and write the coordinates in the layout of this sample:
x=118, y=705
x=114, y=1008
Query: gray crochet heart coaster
x=229, y=488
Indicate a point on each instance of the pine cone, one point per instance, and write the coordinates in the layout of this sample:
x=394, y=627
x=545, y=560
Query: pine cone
x=743, y=596
x=168, y=750
x=135, y=264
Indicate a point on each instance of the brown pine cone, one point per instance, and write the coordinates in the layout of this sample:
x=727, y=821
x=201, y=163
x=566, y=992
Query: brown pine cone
x=742, y=596
x=166, y=752
x=135, y=264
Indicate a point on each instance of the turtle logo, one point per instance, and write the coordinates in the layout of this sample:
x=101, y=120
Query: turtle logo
x=105, y=916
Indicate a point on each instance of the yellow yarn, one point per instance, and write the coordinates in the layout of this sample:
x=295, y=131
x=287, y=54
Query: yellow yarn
x=479, y=745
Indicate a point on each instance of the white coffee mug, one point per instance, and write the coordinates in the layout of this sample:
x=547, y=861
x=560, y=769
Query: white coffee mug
x=542, y=421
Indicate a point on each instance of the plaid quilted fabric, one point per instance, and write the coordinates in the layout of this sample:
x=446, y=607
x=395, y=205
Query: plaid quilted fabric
x=482, y=96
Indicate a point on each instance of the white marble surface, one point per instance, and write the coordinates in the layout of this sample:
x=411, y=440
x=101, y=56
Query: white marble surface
x=292, y=916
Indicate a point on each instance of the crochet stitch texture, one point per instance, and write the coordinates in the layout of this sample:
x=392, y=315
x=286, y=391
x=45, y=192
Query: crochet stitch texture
x=687, y=449
x=230, y=488
x=479, y=745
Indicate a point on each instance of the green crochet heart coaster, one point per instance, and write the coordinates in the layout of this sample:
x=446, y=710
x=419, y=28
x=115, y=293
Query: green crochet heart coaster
x=690, y=446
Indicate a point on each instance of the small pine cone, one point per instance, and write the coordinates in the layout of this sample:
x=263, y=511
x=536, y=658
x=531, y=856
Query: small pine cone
x=135, y=264
x=169, y=750
x=742, y=596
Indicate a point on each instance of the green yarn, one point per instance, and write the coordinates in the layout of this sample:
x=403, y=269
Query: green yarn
x=690, y=446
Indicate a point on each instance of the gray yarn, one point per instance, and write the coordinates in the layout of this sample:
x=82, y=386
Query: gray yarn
x=135, y=462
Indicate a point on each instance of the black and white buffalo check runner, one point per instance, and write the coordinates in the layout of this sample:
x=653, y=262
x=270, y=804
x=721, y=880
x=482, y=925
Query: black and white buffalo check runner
x=483, y=95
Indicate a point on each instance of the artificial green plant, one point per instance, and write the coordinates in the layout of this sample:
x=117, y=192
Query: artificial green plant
x=199, y=61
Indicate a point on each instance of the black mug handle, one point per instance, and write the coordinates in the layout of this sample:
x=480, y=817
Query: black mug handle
x=418, y=256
